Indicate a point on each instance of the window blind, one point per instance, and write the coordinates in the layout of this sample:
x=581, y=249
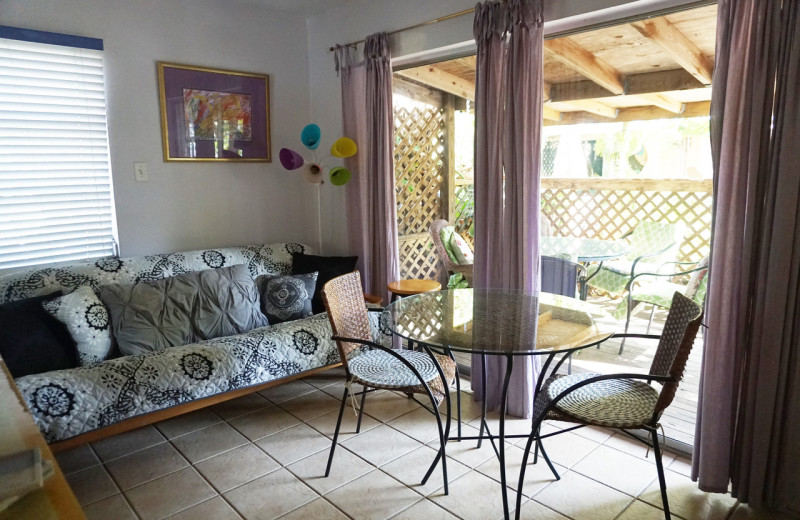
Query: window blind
x=56, y=200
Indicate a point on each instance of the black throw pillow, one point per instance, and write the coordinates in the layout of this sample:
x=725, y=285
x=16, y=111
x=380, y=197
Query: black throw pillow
x=32, y=341
x=328, y=267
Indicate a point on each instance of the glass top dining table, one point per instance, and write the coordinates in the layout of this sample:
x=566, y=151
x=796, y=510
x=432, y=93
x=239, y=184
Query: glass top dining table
x=496, y=322
x=583, y=249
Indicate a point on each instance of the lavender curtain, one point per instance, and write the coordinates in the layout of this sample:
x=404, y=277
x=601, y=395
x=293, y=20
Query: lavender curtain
x=508, y=102
x=748, y=427
x=367, y=115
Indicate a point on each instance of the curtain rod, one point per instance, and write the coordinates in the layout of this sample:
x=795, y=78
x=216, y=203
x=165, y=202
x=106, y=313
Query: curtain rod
x=429, y=22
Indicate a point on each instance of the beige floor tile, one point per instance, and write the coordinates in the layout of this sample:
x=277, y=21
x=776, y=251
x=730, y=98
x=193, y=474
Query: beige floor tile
x=682, y=464
x=745, y=512
x=236, y=467
x=380, y=445
x=115, y=507
x=128, y=442
x=319, y=509
x=212, y=509
x=261, y=423
x=336, y=389
x=419, y=424
x=621, y=471
x=188, y=423
x=537, y=476
x=513, y=425
x=327, y=423
x=639, y=510
x=270, y=496
x=76, y=459
x=285, y=391
x=169, y=494
x=326, y=378
x=145, y=465
x=294, y=443
x=375, y=496
x=568, y=448
x=345, y=468
x=410, y=469
x=91, y=485
x=466, y=451
x=593, y=433
x=624, y=443
x=425, y=509
x=687, y=501
x=385, y=406
x=474, y=497
x=533, y=510
x=582, y=498
x=310, y=405
x=240, y=406
x=206, y=443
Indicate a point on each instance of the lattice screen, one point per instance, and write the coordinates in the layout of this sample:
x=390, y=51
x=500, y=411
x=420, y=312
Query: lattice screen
x=420, y=176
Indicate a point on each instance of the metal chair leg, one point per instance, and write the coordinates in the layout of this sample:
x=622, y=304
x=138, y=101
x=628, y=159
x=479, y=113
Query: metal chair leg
x=336, y=431
x=652, y=313
x=361, y=409
x=661, y=480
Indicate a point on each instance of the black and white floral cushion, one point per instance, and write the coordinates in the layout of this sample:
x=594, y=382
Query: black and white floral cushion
x=87, y=320
x=288, y=297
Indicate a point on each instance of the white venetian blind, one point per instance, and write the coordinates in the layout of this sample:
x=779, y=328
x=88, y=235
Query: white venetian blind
x=55, y=180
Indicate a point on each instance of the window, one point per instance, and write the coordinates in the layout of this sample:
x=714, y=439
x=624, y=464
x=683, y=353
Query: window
x=55, y=181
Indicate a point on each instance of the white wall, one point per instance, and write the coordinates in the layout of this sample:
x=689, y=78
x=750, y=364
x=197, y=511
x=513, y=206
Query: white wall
x=191, y=205
x=359, y=18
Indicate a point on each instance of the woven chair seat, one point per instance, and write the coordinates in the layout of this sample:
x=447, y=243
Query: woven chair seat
x=377, y=368
x=616, y=403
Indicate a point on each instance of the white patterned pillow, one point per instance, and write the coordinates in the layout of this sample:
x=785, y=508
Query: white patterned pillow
x=87, y=320
x=288, y=297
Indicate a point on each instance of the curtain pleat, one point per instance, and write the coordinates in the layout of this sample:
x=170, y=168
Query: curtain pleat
x=748, y=422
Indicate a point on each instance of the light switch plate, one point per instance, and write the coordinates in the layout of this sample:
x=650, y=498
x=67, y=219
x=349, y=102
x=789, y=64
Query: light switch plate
x=140, y=171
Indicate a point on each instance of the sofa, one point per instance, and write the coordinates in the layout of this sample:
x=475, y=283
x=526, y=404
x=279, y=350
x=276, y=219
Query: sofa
x=103, y=397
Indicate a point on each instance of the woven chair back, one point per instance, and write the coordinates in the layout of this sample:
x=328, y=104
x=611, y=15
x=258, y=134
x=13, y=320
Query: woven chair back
x=347, y=312
x=436, y=235
x=677, y=339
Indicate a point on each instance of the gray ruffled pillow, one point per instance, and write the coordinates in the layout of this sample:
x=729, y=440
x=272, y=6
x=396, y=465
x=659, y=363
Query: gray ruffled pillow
x=183, y=309
x=286, y=298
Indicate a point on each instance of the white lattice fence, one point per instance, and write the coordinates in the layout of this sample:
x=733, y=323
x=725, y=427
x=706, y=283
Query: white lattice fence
x=609, y=208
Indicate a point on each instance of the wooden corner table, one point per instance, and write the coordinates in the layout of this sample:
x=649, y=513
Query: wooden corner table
x=411, y=287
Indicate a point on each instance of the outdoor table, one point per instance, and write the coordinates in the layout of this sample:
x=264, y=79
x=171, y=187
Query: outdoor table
x=497, y=323
x=584, y=250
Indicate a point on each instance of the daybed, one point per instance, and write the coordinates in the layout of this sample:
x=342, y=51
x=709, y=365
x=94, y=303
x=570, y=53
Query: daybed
x=77, y=405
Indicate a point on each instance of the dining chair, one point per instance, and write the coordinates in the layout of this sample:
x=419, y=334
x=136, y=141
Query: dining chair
x=377, y=367
x=650, y=244
x=626, y=401
x=657, y=289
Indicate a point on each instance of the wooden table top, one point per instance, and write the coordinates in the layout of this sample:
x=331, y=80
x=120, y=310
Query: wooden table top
x=18, y=432
x=410, y=287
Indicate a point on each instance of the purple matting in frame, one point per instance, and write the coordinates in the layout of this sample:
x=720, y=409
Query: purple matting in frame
x=212, y=115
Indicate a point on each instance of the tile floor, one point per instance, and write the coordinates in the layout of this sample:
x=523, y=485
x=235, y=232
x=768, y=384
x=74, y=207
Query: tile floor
x=263, y=456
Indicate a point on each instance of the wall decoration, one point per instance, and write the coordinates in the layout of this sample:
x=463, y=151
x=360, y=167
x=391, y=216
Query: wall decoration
x=213, y=115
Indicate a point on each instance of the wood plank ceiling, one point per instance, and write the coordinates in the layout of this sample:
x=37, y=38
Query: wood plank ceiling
x=650, y=69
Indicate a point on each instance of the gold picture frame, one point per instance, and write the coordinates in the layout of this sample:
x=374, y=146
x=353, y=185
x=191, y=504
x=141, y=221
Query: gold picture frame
x=213, y=114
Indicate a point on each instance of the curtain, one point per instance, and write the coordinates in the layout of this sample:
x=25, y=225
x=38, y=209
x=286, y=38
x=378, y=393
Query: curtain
x=748, y=422
x=508, y=104
x=368, y=119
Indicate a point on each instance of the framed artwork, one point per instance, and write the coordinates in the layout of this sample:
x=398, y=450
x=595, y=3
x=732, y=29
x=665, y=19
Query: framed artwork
x=213, y=115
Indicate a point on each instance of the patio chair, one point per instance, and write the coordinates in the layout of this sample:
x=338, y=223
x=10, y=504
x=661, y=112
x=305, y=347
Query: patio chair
x=375, y=366
x=446, y=252
x=651, y=244
x=646, y=288
x=560, y=276
x=624, y=401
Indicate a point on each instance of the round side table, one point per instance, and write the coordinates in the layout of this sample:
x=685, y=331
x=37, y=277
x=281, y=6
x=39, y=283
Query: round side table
x=410, y=287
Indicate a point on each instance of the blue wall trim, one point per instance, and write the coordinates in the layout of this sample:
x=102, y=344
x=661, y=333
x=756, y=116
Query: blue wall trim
x=67, y=40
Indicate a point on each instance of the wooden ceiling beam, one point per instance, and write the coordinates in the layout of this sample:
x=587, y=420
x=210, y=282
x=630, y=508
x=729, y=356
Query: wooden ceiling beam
x=678, y=46
x=550, y=113
x=645, y=83
x=698, y=109
x=663, y=101
x=573, y=55
x=441, y=80
x=594, y=107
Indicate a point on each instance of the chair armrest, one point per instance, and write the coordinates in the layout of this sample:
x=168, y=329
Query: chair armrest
x=649, y=255
x=668, y=275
